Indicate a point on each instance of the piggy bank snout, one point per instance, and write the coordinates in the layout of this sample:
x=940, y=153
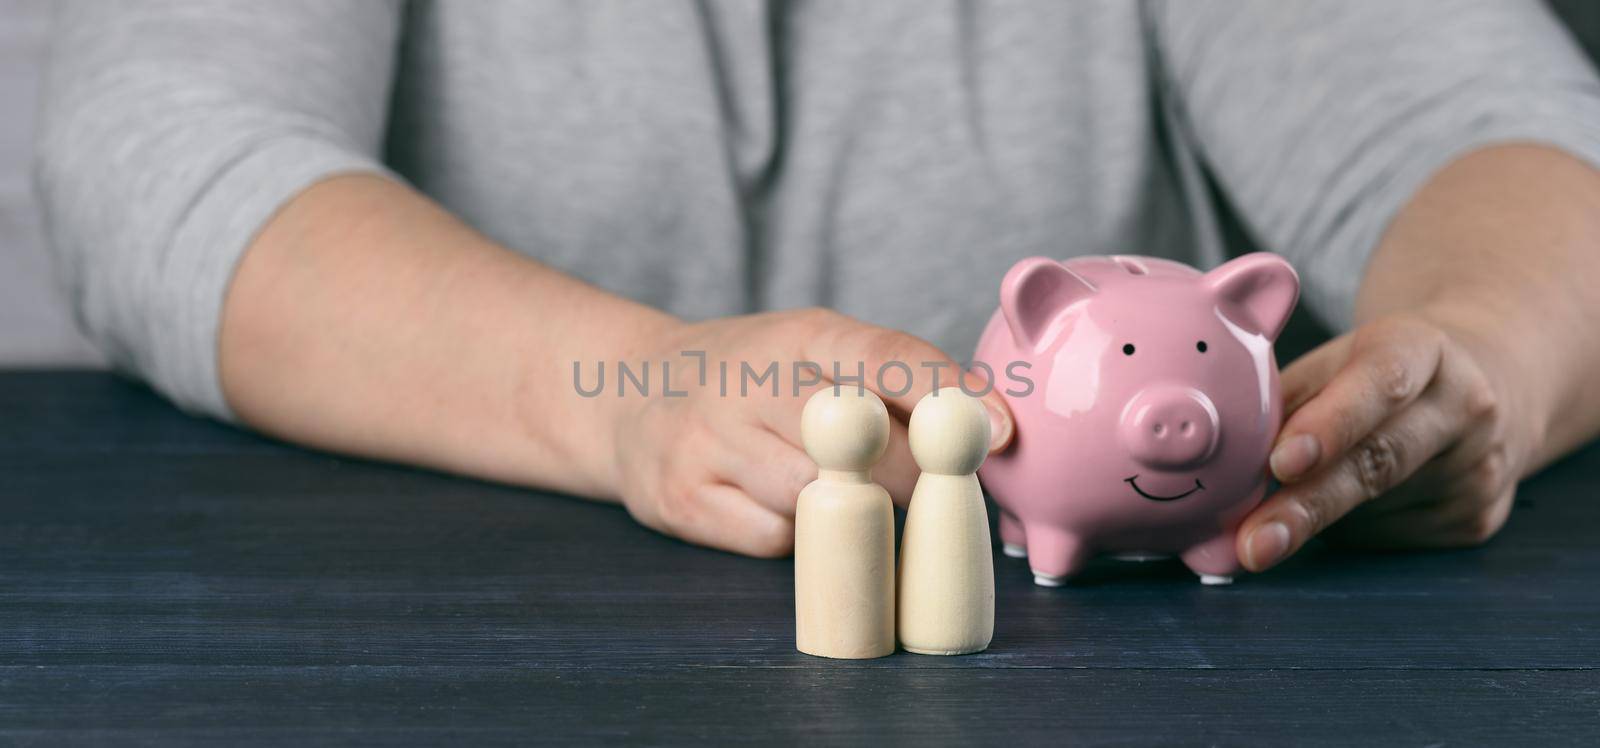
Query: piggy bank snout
x=1168, y=427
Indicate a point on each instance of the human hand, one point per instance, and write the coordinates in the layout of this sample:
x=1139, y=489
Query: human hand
x=723, y=469
x=1399, y=434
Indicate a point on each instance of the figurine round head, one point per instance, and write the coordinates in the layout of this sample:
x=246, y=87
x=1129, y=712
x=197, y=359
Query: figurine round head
x=845, y=428
x=949, y=432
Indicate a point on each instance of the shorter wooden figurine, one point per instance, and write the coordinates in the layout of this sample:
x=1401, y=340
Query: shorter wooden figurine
x=946, y=571
x=844, y=530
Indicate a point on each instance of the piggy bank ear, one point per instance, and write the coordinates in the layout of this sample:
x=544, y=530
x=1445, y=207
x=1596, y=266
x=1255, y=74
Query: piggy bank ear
x=1034, y=292
x=1257, y=291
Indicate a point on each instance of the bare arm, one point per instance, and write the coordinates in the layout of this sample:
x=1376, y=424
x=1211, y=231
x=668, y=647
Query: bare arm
x=1472, y=364
x=1369, y=143
x=365, y=319
x=1507, y=243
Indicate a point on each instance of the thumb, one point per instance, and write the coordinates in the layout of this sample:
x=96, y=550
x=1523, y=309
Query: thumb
x=1304, y=377
x=902, y=369
x=1002, y=426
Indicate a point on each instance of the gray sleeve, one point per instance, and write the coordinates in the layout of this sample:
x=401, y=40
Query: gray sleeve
x=1321, y=118
x=170, y=132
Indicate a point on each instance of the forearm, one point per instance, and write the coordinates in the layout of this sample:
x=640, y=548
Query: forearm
x=365, y=319
x=1505, y=244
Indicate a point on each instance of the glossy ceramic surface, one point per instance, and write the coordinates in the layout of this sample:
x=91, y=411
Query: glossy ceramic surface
x=1153, y=404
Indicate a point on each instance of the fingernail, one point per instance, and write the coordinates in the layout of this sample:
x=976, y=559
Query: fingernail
x=1295, y=456
x=1267, y=545
x=999, y=427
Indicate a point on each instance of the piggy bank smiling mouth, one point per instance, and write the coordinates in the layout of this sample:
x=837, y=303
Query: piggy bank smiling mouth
x=1133, y=481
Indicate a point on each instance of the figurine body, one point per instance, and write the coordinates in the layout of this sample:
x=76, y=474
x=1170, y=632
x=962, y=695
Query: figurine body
x=1153, y=408
x=946, y=581
x=844, y=531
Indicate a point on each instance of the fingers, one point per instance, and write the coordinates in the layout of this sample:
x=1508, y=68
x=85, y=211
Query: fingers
x=1378, y=462
x=781, y=415
x=902, y=369
x=1307, y=375
x=766, y=466
x=1445, y=523
x=774, y=470
x=725, y=517
x=780, y=418
x=1455, y=506
x=732, y=473
x=897, y=472
x=1389, y=367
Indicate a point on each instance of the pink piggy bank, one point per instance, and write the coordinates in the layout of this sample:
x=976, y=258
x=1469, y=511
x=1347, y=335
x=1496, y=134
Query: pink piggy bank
x=1153, y=407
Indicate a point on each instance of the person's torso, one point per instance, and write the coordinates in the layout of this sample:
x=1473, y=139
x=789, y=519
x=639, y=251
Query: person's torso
x=889, y=159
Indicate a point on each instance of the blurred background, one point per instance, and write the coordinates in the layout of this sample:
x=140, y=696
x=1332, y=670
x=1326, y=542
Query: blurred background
x=36, y=324
x=36, y=327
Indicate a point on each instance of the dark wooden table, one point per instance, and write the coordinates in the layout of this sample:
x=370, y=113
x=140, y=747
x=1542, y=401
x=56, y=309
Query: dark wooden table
x=166, y=579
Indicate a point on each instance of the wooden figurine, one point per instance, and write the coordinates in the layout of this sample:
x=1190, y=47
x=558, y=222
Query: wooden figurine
x=844, y=530
x=946, y=604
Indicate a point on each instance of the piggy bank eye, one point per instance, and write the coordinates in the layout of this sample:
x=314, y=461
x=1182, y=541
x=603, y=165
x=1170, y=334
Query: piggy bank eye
x=1200, y=346
x=1127, y=349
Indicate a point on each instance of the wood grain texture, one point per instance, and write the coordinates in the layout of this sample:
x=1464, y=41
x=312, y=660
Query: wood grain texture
x=167, y=579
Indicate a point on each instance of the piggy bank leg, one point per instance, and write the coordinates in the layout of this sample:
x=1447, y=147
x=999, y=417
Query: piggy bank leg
x=1214, y=560
x=1054, y=554
x=1013, y=540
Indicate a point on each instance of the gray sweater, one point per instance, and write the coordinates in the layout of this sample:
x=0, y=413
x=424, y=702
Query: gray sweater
x=889, y=159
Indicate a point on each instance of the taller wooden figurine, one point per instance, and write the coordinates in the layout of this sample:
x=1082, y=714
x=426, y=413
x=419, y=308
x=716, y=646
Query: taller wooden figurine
x=946, y=567
x=844, y=530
